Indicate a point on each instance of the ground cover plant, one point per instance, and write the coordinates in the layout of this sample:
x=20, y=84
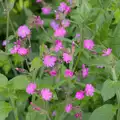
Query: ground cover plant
x=59, y=60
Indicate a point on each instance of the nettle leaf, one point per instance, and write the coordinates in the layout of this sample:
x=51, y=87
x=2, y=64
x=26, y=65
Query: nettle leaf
x=3, y=80
x=5, y=108
x=108, y=90
x=19, y=82
x=35, y=116
x=105, y=112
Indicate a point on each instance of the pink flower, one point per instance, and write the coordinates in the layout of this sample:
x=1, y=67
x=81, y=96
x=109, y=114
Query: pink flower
x=49, y=61
x=54, y=25
x=65, y=23
x=15, y=49
x=31, y=88
x=38, y=21
x=58, y=45
x=84, y=71
x=89, y=44
x=79, y=95
x=68, y=73
x=23, y=31
x=67, y=10
x=77, y=35
x=53, y=72
x=23, y=51
x=18, y=42
x=60, y=32
x=38, y=1
x=62, y=7
x=107, y=52
x=68, y=108
x=67, y=58
x=46, y=94
x=5, y=42
x=89, y=90
x=46, y=10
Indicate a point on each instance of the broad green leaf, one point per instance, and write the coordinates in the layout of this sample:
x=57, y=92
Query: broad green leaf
x=105, y=112
x=5, y=108
x=35, y=116
x=108, y=90
x=19, y=82
x=3, y=80
x=36, y=63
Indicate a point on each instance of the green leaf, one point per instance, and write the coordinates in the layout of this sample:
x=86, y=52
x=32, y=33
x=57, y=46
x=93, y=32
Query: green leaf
x=3, y=80
x=20, y=82
x=36, y=63
x=108, y=90
x=35, y=116
x=105, y=112
x=5, y=108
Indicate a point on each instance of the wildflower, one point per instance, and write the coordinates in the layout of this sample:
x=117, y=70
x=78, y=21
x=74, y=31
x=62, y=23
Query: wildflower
x=62, y=7
x=46, y=94
x=67, y=10
x=84, y=71
x=4, y=43
x=35, y=107
x=46, y=10
x=54, y=25
x=88, y=44
x=77, y=35
x=15, y=49
x=23, y=51
x=49, y=61
x=54, y=113
x=60, y=32
x=107, y=52
x=89, y=90
x=38, y=1
x=79, y=115
x=79, y=95
x=53, y=72
x=23, y=31
x=65, y=23
x=38, y=21
x=58, y=45
x=18, y=42
x=68, y=108
x=68, y=73
x=31, y=88
x=67, y=58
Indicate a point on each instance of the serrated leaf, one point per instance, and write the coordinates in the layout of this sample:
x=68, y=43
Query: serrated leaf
x=105, y=112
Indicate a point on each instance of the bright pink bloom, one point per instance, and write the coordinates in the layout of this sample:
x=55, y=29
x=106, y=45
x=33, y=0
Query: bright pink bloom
x=49, y=61
x=46, y=94
x=58, y=45
x=107, y=52
x=89, y=44
x=67, y=58
x=15, y=49
x=67, y=9
x=38, y=1
x=68, y=108
x=89, y=90
x=57, y=15
x=31, y=88
x=46, y=10
x=53, y=72
x=65, y=23
x=60, y=32
x=84, y=71
x=23, y=31
x=62, y=7
x=79, y=95
x=23, y=51
x=68, y=73
x=18, y=42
